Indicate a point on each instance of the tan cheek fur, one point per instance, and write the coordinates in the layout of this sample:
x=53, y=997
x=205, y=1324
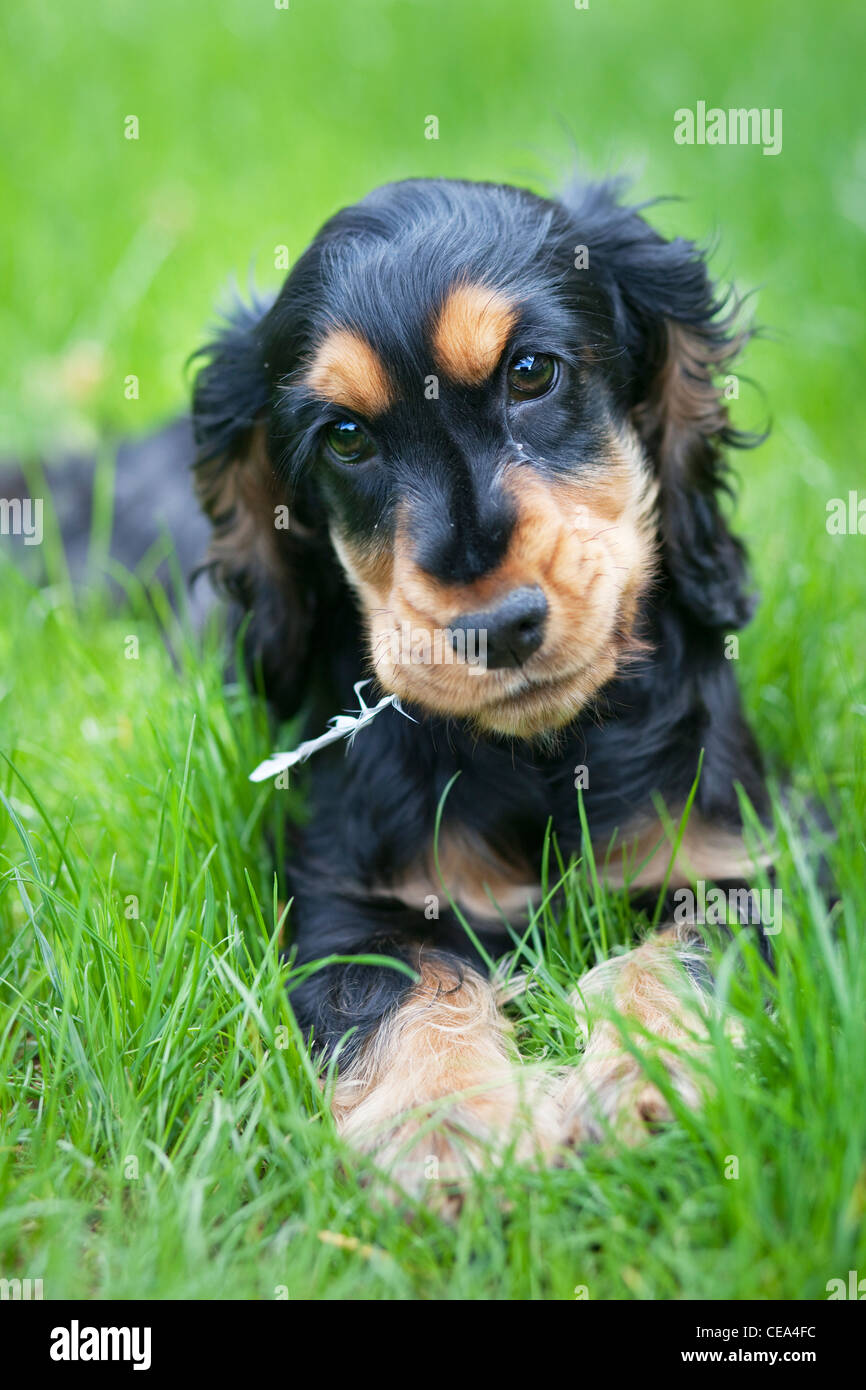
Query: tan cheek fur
x=588, y=543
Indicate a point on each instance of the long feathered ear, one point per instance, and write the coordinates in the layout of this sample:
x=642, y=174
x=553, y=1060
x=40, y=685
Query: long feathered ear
x=261, y=555
x=684, y=422
x=678, y=337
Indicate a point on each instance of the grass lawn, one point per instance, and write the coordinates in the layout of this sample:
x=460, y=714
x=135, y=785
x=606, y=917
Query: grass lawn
x=162, y=1131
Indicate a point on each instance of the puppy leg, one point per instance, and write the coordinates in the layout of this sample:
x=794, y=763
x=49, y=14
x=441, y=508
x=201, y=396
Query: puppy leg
x=658, y=987
x=435, y=1092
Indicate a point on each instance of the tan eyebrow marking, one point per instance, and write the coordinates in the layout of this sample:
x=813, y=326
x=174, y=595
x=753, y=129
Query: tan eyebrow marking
x=346, y=370
x=471, y=331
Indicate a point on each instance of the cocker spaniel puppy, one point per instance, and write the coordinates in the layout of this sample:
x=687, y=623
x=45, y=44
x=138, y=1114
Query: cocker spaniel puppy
x=473, y=449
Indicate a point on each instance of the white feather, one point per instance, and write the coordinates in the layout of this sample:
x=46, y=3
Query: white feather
x=341, y=726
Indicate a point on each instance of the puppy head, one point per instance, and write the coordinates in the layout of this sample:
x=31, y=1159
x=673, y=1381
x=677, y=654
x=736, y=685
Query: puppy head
x=492, y=417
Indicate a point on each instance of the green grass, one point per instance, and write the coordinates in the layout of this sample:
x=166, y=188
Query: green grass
x=163, y=1133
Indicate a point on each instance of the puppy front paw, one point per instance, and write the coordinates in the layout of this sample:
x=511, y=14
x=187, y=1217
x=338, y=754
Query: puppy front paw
x=610, y=1094
x=431, y=1152
x=644, y=1003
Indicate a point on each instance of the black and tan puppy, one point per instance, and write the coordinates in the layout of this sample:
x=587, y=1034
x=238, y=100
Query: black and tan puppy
x=496, y=416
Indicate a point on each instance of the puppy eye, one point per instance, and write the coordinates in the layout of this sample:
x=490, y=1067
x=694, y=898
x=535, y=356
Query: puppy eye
x=348, y=441
x=530, y=375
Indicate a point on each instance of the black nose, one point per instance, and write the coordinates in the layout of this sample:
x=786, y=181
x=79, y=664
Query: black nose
x=511, y=631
